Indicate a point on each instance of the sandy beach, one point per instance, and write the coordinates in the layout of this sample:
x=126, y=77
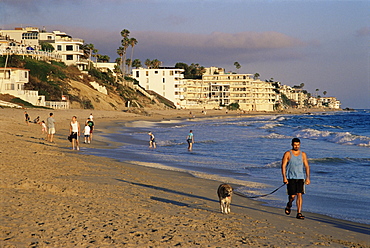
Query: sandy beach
x=52, y=196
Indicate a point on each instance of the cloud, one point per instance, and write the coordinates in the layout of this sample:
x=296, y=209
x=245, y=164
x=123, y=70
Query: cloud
x=365, y=31
x=219, y=40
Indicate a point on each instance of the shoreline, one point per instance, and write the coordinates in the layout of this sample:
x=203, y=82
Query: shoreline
x=54, y=197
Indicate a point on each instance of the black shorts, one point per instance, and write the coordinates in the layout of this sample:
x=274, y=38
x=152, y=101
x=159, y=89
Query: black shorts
x=295, y=186
x=74, y=135
x=189, y=141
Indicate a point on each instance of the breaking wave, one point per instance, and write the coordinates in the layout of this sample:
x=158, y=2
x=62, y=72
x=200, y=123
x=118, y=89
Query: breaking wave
x=344, y=138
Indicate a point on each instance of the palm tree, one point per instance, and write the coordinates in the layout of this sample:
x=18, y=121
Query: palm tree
x=148, y=63
x=156, y=63
x=125, y=33
x=256, y=75
x=89, y=51
x=128, y=63
x=317, y=91
x=133, y=42
x=324, y=92
x=103, y=58
x=120, y=52
x=237, y=66
x=125, y=44
x=136, y=63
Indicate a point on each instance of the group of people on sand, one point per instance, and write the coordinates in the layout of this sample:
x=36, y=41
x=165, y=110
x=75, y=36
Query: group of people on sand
x=75, y=131
x=48, y=128
x=189, y=139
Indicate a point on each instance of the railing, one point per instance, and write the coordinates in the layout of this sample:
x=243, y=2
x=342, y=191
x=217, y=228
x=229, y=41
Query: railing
x=25, y=52
x=57, y=105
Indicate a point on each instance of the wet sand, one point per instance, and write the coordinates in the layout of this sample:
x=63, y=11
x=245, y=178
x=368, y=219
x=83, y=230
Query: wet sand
x=52, y=196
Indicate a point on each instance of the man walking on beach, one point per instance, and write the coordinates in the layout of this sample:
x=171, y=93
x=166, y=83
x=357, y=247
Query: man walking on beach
x=190, y=140
x=293, y=165
x=50, y=122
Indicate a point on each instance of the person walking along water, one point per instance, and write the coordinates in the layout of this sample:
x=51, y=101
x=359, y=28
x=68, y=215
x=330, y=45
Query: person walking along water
x=293, y=165
x=74, y=130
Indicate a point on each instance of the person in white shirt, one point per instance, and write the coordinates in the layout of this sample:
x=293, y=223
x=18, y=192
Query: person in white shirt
x=87, y=133
x=74, y=130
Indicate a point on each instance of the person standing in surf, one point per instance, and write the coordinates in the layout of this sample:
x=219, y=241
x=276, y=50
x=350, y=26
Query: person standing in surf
x=296, y=173
x=152, y=142
x=190, y=140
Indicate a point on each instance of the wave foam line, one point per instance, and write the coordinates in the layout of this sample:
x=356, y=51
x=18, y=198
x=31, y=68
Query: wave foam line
x=344, y=138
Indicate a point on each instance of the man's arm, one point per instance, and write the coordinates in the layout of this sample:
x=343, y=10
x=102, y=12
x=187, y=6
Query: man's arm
x=284, y=162
x=307, y=168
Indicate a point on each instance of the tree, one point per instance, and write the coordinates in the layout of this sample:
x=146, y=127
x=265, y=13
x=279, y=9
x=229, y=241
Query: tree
x=125, y=44
x=237, y=66
x=136, y=63
x=256, y=75
x=46, y=46
x=103, y=58
x=324, y=92
x=148, y=63
x=156, y=63
x=120, y=53
x=133, y=42
x=89, y=50
x=128, y=62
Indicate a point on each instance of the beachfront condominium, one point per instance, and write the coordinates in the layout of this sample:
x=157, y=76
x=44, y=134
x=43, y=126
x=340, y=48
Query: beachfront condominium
x=214, y=89
x=165, y=81
x=31, y=38
x=222, y=89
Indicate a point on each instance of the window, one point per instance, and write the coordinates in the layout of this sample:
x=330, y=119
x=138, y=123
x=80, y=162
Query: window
x=147, y=73
x=137, y=74
x=6, y=74
x=30, y=36
x=59, y=47
x=164, y=73
x=163, y=80
x=155, y=72
x=171, y=73
x=9, y=86
x=50, y=37
x=69, y=48
x=25, y=74
x=69, y=57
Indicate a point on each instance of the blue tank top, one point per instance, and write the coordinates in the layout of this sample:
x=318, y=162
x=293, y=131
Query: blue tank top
x=295, y=167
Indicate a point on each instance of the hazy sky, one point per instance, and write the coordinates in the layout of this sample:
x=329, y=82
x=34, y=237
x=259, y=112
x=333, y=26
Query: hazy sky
x=323, y=44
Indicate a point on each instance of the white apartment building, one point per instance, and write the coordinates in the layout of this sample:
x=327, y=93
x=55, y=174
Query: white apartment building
x=65, y=46
x=223, y=89
x=330, y=102
x=12, y=81
x=297, y=95
x=165, y=81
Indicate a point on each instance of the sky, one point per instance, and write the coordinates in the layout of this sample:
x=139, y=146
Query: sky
x=324, y=44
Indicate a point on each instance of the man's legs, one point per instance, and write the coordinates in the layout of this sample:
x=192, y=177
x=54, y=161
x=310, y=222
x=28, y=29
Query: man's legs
x=299, y=202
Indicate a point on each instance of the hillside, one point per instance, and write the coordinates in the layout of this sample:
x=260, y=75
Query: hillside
x=55, y=79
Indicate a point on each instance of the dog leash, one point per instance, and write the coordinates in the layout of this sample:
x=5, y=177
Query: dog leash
x=258, y=196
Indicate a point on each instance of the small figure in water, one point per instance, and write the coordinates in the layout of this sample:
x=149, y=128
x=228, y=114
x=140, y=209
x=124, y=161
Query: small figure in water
x=152, y=140
x=190, y=140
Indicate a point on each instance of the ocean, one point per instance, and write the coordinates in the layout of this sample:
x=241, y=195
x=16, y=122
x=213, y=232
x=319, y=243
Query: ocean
x=248, y=150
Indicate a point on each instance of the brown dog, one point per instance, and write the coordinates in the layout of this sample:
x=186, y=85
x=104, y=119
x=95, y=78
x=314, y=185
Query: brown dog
x=225, y=192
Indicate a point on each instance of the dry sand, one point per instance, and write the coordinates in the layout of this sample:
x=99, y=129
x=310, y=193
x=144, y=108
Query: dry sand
x=52, y=196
